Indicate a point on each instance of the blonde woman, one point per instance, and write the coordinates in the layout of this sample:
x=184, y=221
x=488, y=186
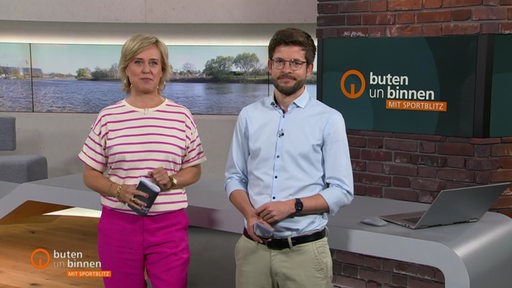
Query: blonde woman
x=144, y=135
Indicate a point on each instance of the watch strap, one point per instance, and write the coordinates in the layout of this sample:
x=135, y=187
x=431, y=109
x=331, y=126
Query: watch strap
x=299, y=206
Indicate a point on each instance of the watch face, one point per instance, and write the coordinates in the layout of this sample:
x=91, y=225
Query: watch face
x=174, y=182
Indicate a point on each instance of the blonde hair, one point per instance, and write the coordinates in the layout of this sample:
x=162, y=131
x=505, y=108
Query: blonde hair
x=132, y=47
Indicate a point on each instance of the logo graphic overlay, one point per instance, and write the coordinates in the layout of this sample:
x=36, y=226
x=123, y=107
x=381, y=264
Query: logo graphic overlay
x=40, y=258
x=351, y=93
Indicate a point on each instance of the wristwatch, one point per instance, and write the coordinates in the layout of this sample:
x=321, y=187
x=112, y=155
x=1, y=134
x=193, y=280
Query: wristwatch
x=174, y=181
x=298, y=206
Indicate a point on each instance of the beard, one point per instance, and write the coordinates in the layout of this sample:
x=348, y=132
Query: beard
x=288, y=90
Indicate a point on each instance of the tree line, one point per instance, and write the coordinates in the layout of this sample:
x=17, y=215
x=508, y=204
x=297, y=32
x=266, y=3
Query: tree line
x=243, y=65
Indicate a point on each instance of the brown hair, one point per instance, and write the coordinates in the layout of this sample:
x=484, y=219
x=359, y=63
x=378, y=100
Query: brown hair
x=293, y=37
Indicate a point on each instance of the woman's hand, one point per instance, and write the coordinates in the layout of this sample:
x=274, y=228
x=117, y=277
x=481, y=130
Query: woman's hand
x=161, y=178
x=96, y=181
x=127, y=195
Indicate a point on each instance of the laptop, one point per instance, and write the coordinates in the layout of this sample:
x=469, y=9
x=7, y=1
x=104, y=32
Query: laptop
x=452, y=206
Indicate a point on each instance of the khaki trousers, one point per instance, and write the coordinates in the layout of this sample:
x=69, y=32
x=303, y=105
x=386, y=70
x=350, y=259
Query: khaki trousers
x=304, y=266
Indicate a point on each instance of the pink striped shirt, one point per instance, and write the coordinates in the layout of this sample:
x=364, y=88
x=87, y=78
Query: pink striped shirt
x=127, y=142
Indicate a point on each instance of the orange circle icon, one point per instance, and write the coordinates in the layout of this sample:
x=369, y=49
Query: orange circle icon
x=352, y=93
x=40, y=264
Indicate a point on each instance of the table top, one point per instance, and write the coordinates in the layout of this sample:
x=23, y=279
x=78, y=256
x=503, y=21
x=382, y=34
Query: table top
x=465, y=253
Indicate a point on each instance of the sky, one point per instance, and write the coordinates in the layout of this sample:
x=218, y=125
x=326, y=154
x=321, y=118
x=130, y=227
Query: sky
x=68, y=58
x=14, y=55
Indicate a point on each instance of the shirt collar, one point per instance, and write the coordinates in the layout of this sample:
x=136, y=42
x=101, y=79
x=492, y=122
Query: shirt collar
x=301, y=101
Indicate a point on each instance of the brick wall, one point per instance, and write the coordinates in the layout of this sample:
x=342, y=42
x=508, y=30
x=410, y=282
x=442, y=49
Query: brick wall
x=392, y=18
x=415, y=168
x=360, y=271
x=394, y=165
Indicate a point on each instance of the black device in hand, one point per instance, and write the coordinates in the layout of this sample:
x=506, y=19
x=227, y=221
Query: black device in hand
x=262, y=230
x=146, y=186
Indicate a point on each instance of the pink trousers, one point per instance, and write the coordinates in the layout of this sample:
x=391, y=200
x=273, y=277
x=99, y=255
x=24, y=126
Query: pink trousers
x=132, y=245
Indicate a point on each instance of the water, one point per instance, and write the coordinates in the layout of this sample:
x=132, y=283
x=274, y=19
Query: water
x=90, y=96
x=15, y=95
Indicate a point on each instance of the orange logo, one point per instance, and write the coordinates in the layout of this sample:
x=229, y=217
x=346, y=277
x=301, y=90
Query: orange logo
x=45, y=255
x=351, y=93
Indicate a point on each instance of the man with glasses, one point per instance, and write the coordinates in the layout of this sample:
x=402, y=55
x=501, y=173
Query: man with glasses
x=288, y=169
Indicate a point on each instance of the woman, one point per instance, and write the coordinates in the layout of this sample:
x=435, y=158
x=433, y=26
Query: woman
x=144, y=135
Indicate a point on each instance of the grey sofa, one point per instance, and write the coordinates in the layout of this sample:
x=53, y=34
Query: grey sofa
x=18, y=168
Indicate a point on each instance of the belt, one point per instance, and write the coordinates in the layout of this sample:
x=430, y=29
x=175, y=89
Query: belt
x=283, y=243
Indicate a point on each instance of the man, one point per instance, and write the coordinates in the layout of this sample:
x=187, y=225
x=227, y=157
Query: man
x=287, y=169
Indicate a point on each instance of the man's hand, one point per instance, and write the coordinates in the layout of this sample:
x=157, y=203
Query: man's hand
x=273, y=212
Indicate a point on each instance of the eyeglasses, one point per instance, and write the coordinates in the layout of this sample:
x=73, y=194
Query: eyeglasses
x=295, y=64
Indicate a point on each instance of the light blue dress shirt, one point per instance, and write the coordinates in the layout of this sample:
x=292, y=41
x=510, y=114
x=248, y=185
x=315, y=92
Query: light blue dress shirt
x=277, y=156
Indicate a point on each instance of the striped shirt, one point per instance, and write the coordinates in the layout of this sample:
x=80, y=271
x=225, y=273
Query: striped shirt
x=127, y=142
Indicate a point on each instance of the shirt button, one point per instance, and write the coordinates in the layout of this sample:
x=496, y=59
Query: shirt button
x=275, y=177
